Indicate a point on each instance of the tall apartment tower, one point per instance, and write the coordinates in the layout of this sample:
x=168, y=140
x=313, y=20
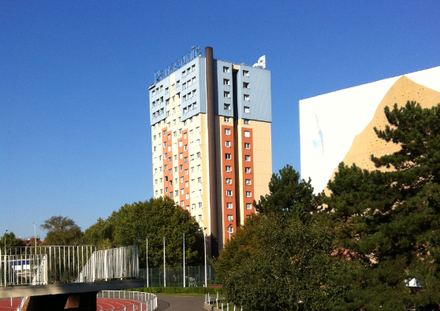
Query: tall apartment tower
x=211, y=139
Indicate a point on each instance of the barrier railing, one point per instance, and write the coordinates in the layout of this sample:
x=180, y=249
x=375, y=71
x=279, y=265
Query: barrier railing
x=143, y=301
x=66, y=264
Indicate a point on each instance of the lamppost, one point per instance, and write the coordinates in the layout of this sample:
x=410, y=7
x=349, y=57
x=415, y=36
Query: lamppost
x=35, y=238
x=6, y=236
x=184, y=283
x=148, y=279
x=204, y=244
x=164, y=270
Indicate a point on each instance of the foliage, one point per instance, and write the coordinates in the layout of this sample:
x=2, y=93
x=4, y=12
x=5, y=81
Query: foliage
x=61, y=231
x=156, y=218
x=390, y=220
x=277, y=262
x=11, y=241
x=287, y=193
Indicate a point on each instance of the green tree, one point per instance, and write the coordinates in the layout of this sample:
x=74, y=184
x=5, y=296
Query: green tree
x=99, y=234
x=11, y=241
x=61, y=231
x=288, y=193
x=156, y=218
x=279, y=260
x=390, y=221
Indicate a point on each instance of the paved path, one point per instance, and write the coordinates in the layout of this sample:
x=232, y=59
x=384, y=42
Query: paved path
x=172, y=303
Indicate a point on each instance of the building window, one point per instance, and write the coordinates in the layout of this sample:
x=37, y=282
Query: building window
x=229, y=181
x=247, y=158
x=227, y=156
x=181, y=167
x=186, y=184
x=247, y=110
x=247, y=146
x=187, y=197
x=227, y=107
x=248, y=182
x=247, y=170
x=185, y=148
x=199, y=180
x=200, y=218
x=193, y=68
x=186, y=172
x=227, y=144
x=247, y=134
x=230, y=229
x=200, y=204
x=227, y=132
x=194, y=80
x=246, y=73
x=199, y=155
x=248, y=194
x=226, y=82
x=227, y=119
x=248, y=206
x=246, y=85
x=227, y=94
x=229, y=205
x=225, y=69
x=246, y=97
x=182, y=191
x=229, y=193
x=246, y=121
x=230, y=218
x=228, y=168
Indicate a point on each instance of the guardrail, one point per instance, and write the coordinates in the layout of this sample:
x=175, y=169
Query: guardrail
x=67, y=264
x=144, y=301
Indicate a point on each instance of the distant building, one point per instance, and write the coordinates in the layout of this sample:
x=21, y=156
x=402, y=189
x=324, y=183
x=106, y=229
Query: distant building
x=338, y=126
x=211, y=139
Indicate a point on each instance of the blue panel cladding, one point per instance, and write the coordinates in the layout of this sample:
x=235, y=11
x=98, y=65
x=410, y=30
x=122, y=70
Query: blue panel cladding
x=223, y=71
x=257, y=97
x=198, y=100
x=158, y=98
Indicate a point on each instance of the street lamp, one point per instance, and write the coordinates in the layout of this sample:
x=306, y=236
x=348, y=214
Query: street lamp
x=35, y=238
x=6, y=235
x=204, y=244
x=184, y=283
x=148, y=279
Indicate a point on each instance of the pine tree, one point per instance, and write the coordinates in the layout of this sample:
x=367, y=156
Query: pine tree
x=390, y=219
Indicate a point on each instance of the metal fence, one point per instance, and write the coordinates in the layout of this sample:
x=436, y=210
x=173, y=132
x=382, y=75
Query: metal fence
x=66, y=264
x=143, y=301
x=194, y=276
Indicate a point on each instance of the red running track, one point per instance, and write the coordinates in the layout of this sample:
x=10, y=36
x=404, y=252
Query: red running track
x=101, y=304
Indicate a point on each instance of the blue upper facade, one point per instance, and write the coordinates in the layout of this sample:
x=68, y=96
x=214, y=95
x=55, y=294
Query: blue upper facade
x=241, y=92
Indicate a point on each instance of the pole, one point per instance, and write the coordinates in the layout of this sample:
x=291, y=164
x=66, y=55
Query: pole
x=164, y=271
x=148, y=278
x=204, y=243
x=6, y=235
x=35, y=237
x=184, y=283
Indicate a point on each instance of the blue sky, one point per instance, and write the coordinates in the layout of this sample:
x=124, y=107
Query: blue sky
x=74, y=78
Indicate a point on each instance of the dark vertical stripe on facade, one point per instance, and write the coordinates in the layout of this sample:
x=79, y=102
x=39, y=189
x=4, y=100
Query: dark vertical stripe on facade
x=210, y=95
x=237, y=149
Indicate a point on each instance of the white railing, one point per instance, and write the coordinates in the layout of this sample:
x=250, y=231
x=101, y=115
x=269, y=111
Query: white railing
x=220, y=304
x=121, y=262
x=141, y=301
x=66, y=264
